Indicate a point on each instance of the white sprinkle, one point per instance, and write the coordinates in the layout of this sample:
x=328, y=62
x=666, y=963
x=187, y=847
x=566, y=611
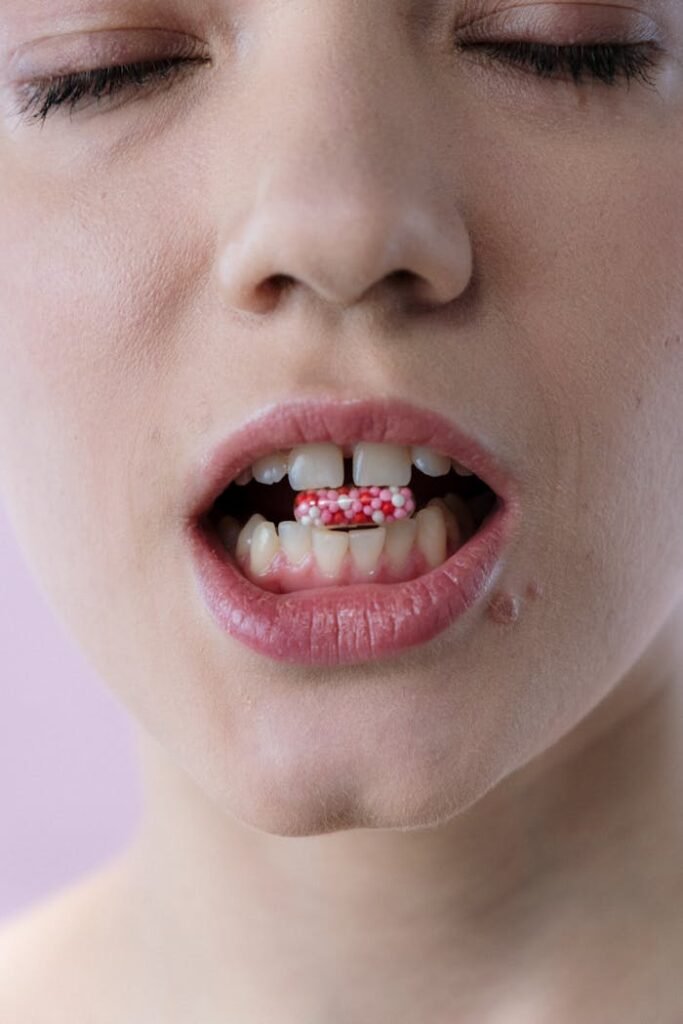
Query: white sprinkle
x=398, y=500
x=314, y=513
x=378, y=517
x=345, y=503
x=305, y=520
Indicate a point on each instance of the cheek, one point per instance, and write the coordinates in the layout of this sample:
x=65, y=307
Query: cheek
x=591, y=289
x=90, y=289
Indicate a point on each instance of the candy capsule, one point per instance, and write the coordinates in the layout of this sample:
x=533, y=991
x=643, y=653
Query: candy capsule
x=348, y=507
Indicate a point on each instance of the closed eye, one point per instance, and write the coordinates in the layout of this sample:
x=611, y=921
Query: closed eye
x=608, y=63
x=44, y=95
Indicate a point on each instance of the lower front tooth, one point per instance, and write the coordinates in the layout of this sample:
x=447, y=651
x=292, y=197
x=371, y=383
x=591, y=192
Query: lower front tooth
x=366, y=547
x=264, y=547
x=453, y=532
x=245, y=537
x=461, y=510
x=330, y=550
x=295, y=541
x=431, y=535
x=399, y=543
x=229, y=530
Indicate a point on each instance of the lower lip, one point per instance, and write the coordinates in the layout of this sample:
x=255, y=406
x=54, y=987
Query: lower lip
x=352, y=624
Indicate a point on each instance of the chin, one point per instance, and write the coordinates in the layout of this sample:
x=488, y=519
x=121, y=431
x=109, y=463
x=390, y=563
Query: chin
x=314, y=794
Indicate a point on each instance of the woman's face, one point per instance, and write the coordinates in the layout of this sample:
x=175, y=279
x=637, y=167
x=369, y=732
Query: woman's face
x=145, y=244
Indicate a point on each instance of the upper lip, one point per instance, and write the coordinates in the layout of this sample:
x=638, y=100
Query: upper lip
x=283, y=425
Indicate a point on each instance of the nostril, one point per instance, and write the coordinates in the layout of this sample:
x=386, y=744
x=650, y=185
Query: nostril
x=266, y=295
x=400, y=276
x=281, y=280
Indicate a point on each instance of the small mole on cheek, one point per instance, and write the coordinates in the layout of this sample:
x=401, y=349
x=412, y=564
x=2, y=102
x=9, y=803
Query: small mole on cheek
x=534, y=589
x=504, y=608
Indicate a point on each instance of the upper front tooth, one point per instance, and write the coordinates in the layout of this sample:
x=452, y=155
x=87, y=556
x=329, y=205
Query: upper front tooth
x=270, y=469
x=316, y=465
x=430, y=462
x=381, y=464
x=461, y=470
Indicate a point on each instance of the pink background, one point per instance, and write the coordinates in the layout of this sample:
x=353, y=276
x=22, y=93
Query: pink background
x=69, y=789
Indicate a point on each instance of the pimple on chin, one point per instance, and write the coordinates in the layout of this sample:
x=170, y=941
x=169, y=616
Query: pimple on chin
x=504, y=607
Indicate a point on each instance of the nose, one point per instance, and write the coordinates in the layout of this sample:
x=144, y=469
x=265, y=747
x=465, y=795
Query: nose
x=351, y=198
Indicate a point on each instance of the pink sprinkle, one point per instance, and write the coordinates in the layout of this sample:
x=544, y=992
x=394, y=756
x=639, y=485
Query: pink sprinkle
x=374, y=491
x=385, y=494
x=332, y=495
x=349, y=513
x=409, y=506
x=406, y=492
x=388, y=519
x=303, y=508
x=357, y=506
x=400, y=513
x=332, y=506
x=376, y=503
x=353, y=493
x=326, y=517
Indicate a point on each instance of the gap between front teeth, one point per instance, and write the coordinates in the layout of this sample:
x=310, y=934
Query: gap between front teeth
x=314, y=466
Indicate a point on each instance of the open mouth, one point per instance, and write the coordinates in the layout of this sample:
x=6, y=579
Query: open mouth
x=324, y=514
x=330, y=532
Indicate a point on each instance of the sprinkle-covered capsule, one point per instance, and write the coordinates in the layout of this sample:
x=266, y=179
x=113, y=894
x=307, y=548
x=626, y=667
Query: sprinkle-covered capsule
x=347, y=507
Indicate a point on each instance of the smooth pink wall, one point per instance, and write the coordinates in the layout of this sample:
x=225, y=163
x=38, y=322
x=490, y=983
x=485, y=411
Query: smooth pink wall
x=69, y=790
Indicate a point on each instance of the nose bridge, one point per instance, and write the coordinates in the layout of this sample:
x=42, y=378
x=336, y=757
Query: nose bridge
x=345, y=191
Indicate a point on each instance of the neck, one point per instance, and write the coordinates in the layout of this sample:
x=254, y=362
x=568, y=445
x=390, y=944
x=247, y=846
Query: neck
x=286, y=928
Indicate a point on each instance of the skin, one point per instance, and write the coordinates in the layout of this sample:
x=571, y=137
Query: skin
x=485, y=828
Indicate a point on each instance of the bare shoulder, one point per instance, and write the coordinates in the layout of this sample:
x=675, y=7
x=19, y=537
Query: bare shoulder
x=58, y=959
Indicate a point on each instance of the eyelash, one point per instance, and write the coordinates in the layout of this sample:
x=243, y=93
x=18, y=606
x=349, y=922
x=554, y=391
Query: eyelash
x=50, y=93
x=604, y=62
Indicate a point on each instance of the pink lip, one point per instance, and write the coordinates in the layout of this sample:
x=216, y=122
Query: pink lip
x=350, y=624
